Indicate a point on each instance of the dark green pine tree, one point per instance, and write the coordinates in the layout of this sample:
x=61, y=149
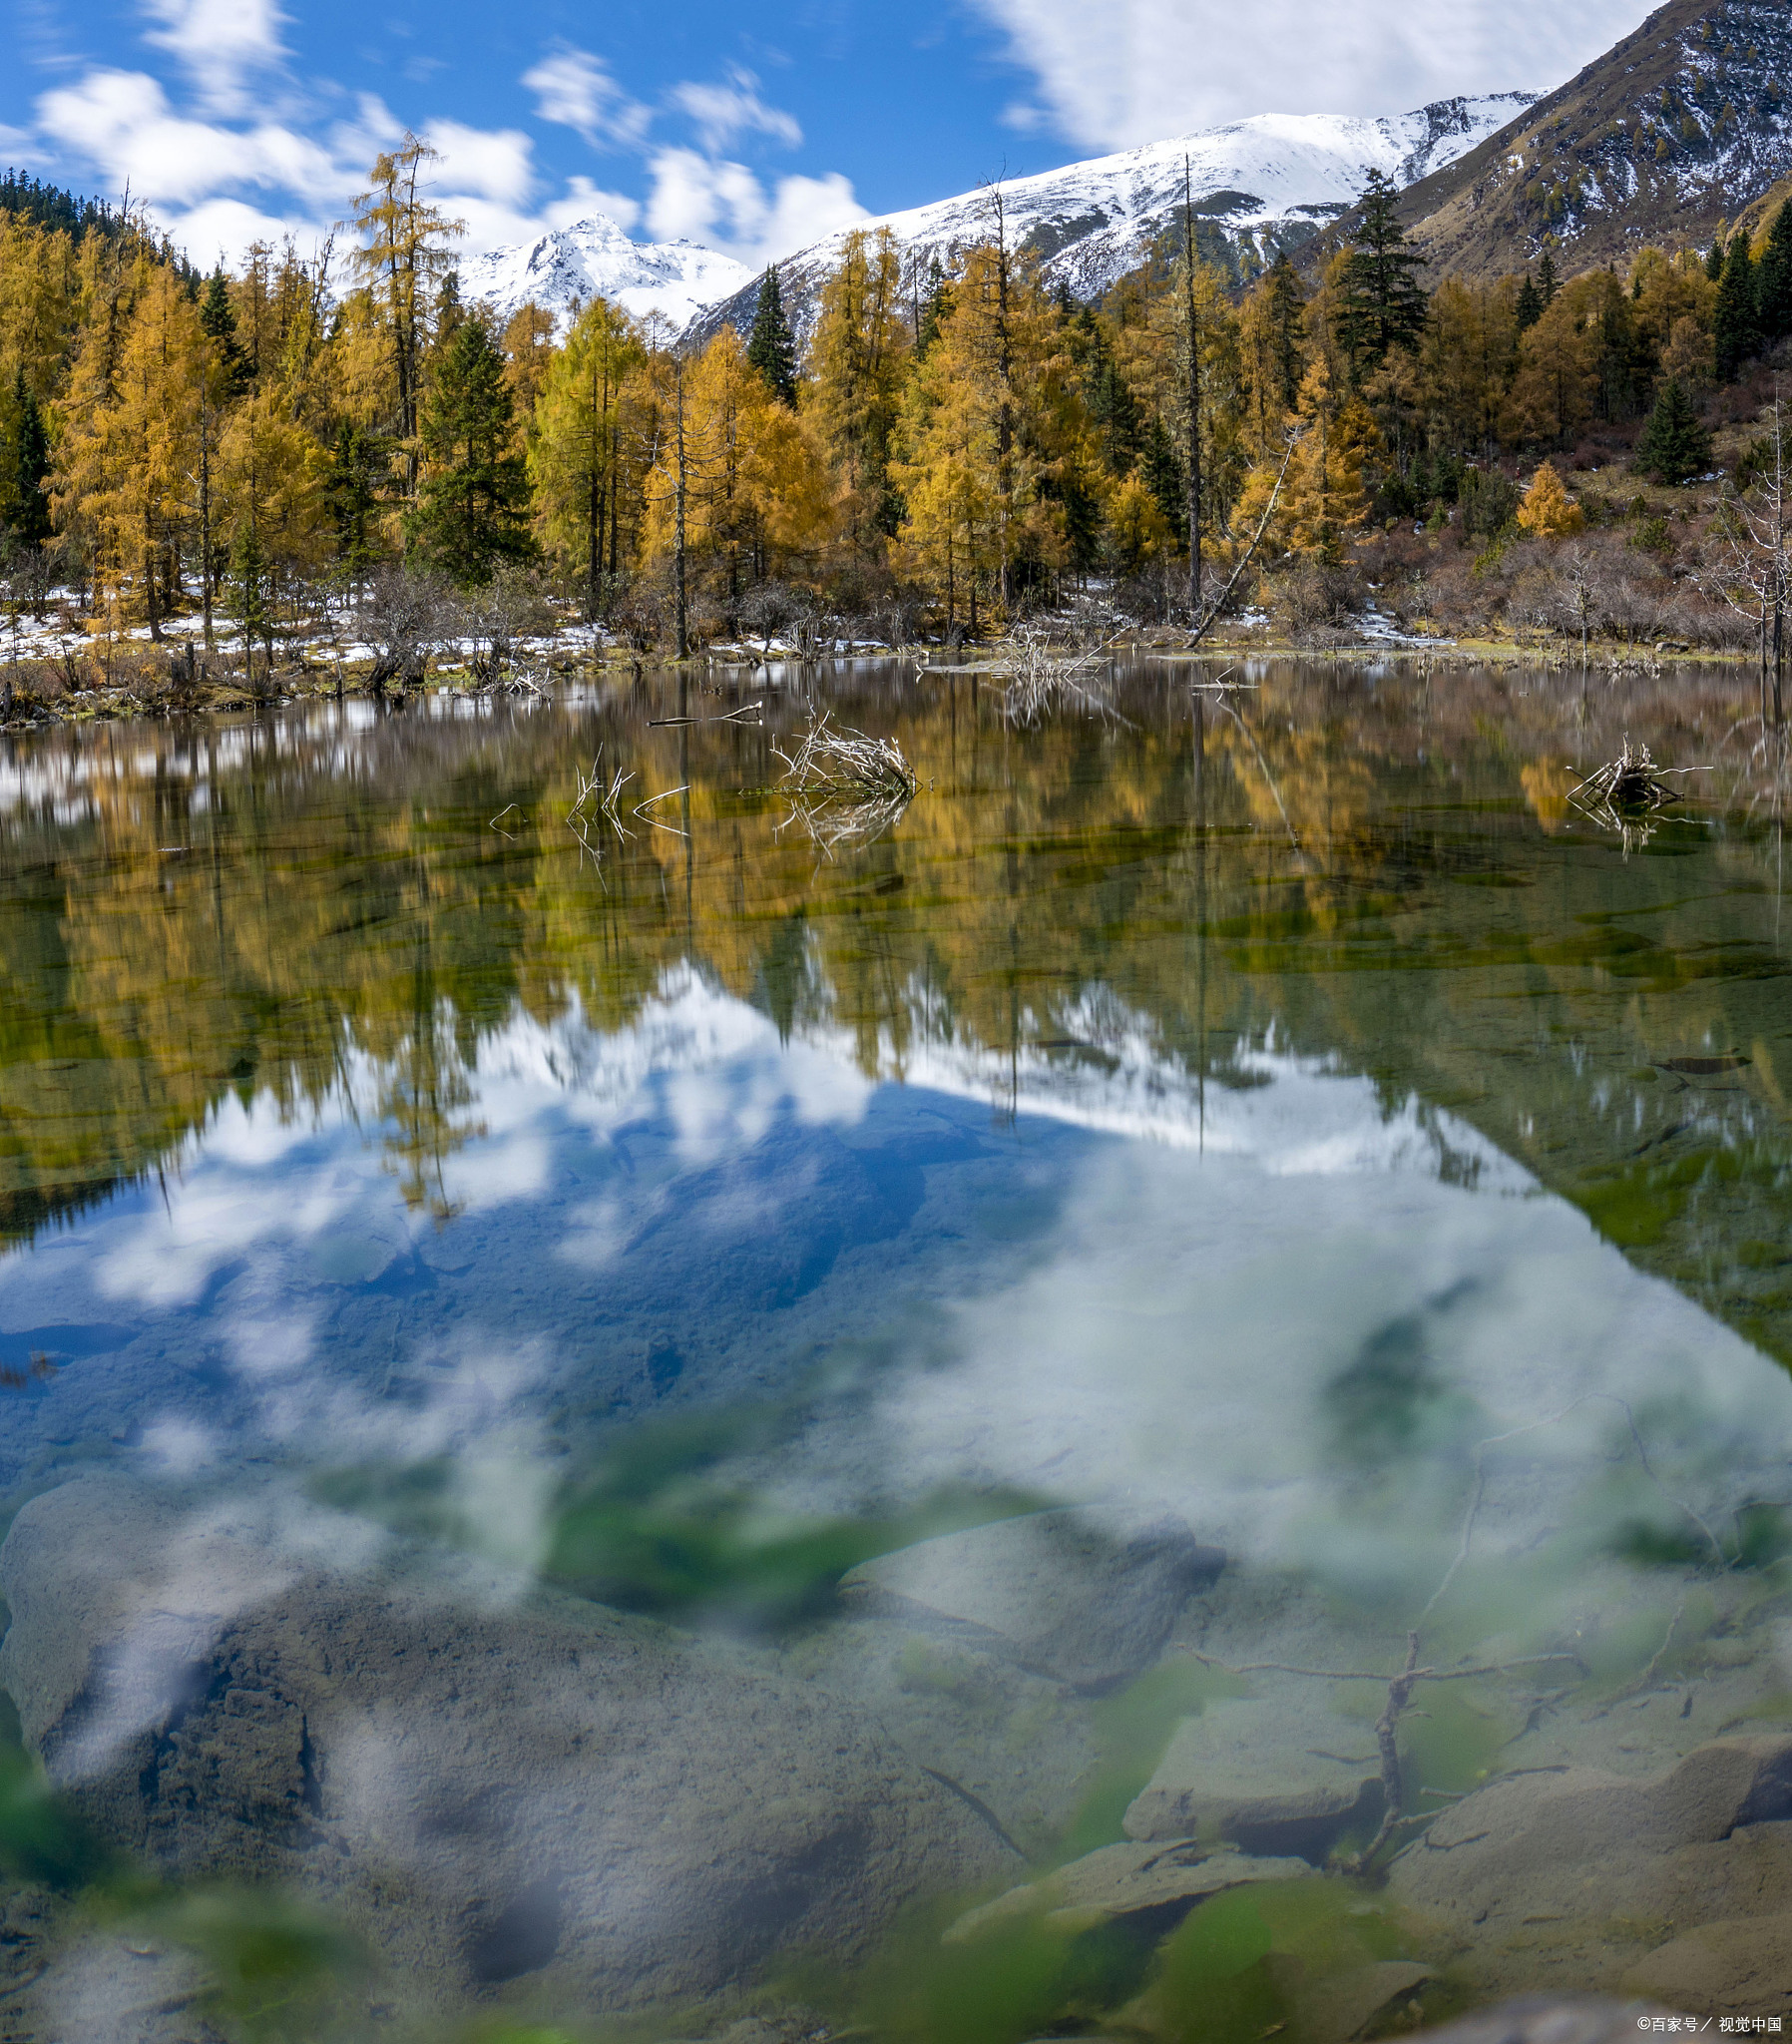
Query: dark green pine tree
x=1548, y=282
x=1384, y=306
x=933, y=307
x=1288, y=302
x=1715, y=260
x=219, y=322
x=1530, y=303
x=771, y=347
x=31, y=464
x=1736, y=322
x=359, y=462
x=472, y=510
x=1161, y=473
x=1624, y=360
x=1773, y=279
x=1112, y=409
x=1675, y=444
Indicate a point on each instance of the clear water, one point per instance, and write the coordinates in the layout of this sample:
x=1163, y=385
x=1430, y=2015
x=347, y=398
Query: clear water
x=473, y=1289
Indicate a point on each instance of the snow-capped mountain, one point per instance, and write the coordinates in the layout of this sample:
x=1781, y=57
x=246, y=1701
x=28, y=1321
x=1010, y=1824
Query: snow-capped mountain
x=1257, y=185
x=595, y=258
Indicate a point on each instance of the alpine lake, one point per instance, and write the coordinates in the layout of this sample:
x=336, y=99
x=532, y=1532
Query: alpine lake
x=1147, y=1398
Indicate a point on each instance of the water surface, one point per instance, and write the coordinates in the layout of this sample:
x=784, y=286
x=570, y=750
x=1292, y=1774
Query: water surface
x=491, y=1305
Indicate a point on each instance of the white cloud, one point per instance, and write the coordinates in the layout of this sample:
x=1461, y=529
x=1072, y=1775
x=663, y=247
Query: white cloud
x=583, y=199
x=121, y=122
x=696, y=197
x=574, y=90
x=219, y=43
x=723, y=113
x=489, y=164
x=223, y=230
x=1145, y=70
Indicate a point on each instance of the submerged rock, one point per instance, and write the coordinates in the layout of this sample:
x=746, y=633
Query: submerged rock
x=1344, y=2005
x=1265, y=1774
x=1576, y=1874
x=1062, y=1596
x=1125, y=1880
x=487, y=1789
x=1740, y=1964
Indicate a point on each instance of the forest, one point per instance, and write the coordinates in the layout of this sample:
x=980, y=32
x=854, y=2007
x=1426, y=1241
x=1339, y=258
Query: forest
x=342, y=444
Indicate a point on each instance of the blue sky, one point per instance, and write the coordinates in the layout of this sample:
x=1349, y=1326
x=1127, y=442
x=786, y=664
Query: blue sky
x=748, y=127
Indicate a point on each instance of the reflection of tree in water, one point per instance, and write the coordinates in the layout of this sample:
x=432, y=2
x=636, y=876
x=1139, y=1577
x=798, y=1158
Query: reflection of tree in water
x=1376, y=866
x=422, y=1091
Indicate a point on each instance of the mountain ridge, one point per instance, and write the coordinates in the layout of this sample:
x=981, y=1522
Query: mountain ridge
x=1679, y=129
x=1259, y=185
x=1267, y=183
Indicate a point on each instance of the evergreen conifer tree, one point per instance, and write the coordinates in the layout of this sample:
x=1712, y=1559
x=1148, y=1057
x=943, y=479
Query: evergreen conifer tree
x=1529, y=307
x=219, y=324
x=352, y=487
x=1288, y=302
x=1675, y=444
x=1774, y=277
x=249, y=576
x=1382, y=307
x=933, y=307
x=473, y=505
x=771, y=347
x=1162, y=472
x=1547, y=284
x=1735, y=323
x=1715, y=260
x=30, y=464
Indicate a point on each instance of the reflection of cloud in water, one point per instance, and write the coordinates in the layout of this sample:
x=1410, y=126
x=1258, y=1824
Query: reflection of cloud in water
x=1179, y=1317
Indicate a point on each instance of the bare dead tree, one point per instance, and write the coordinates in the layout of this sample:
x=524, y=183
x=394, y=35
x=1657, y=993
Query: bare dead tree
x=1749, y=566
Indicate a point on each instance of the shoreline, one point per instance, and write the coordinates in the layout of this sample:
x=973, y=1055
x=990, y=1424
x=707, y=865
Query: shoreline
x=176, y=698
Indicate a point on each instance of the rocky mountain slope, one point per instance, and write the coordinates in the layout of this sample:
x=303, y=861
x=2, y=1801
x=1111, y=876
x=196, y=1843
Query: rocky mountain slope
x=1673, y=133
x=1258, y=185
x=593, y=258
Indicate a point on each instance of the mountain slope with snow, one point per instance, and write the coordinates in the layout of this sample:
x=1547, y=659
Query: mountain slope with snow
x=595, y=258
x=1257, y=185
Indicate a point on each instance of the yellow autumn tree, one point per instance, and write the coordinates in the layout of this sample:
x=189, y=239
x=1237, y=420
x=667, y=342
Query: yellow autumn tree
x=1552, y=393
x=269, y=471
x=584, y=453
x=1324, y=496
x=756, y=486
x=528, y=346
x=1547, y=511
x=126, y=457
x=948, y=469
x=853, y=391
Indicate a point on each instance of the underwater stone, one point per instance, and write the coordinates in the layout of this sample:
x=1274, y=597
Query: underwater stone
x=1265, y=1774
x=1607, y=1867
x=1063, y=1596
x=1125, y=1881
x=1742, y=1965
x=489, y=1785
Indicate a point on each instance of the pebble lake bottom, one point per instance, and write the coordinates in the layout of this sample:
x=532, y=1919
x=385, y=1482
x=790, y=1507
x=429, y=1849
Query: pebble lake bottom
x=1143, y=1399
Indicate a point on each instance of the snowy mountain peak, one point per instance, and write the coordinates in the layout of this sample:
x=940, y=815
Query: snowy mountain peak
x=595, y=258
x=1258, y=185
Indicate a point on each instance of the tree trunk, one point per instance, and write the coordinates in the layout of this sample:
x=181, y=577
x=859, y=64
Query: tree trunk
x=681, y=611
x=1192, y=397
